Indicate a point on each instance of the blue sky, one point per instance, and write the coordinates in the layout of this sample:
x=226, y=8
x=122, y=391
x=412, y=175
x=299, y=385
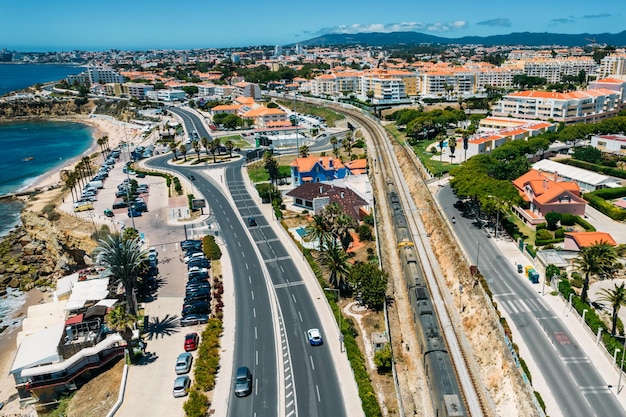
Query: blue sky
x=45, y=25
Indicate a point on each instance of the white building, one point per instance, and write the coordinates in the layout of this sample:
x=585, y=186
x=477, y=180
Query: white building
x=96, y=75
x=612, y=65
x=610, y=143
x=167, y=95
x=586, y=180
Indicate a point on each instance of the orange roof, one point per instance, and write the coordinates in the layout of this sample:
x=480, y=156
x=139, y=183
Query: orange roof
x=307, y=164
x=585, y=239
x=544, y=188
x=226, y=107
x=358, y=166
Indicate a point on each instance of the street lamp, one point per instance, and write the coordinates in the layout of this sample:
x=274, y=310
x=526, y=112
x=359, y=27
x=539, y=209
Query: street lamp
x=339, y=313
x=615, y=352
x=621, y=371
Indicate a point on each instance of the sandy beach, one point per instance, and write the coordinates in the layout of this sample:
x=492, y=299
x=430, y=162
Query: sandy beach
x=117, y=133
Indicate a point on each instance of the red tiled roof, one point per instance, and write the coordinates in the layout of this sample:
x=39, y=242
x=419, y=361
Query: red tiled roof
x=585, y=239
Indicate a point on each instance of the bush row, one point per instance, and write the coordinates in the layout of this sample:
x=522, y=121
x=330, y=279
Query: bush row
x=211, y=248
x=605, y=207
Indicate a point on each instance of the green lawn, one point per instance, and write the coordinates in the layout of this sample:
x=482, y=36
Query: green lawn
x=305, y=108
x=257, y=173
x=237, y=140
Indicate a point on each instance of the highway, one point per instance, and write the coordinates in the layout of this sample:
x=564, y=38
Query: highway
x=309, y=380
x=574, y=382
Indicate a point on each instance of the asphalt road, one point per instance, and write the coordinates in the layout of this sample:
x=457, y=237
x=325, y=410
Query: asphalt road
x=575, y=383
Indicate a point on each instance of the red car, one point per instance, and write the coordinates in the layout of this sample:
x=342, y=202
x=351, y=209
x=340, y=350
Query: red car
x=191, y=342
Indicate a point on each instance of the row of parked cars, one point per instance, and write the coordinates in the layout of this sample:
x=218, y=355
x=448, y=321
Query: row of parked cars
x=183, y=365
x=90, y=191
x=197, y=303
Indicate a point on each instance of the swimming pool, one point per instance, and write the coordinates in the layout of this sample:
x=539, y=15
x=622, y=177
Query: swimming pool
x=301, y=231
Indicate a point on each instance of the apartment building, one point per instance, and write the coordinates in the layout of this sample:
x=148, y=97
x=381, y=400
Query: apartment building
x=137, y=90
x=575, y=107
x=615, y=144
x=167, y=95
x=554, y=69
x=613, y=65
x=246, y=89
x=96, y=74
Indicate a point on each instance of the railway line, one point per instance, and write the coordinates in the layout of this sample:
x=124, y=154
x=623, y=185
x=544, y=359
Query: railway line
x=421, y=271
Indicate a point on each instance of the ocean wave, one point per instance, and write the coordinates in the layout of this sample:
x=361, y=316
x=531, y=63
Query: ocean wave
x=9, y=305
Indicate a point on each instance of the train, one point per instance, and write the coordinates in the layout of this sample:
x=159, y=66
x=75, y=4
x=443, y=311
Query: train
x=446, y=394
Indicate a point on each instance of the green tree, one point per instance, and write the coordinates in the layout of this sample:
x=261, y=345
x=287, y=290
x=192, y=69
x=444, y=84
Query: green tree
x=183, y=150
x=319, y=231
x=334, y=261
x=594, y=260
x=271, y=165
x=230, y=145
x=616, y=297
x=196, y=147
x=588, y=154
x=304, y=151
x=368, y=280
x=174, y=149
x=552, y=219
x=383, y=360
x=205, y=144
x=121, y=321
x=214, y=146
x=122, y=259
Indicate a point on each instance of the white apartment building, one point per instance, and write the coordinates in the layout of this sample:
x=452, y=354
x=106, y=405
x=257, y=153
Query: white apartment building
x=578, y=106
x=206, y=90
x=247, y=89
x=612, y=65
x=554, y=69
x=450, y=84
x=610, y=143
x=138, y=90
x=386, y=90
x=96, y=75
x=167, y=95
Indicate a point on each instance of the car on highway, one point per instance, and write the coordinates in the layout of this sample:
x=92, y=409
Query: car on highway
x=243, y=381
x=191, y=341
x=197, y=307
x=183, y=363
x=181, y=386
x=191, y=319
x=315, y=337
x=191, y=177
x=251, y=221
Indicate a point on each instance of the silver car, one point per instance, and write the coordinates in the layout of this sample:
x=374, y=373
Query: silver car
x=181, y=386
x=183, y=363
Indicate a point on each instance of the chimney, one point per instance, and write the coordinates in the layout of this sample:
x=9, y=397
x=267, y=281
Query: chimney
x=330, y=162
x=556, y=176
x=321, y=189
x=342, y=195
x=545, y=184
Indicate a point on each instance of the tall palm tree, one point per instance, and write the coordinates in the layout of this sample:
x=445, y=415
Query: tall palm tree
x=229, y=146
x=87, y=164
x=196, y=147
x=122, y=322
x=597, y=260
x=334, y=141
x=218, y=144
x=304, y=151
x=341, y=227
x=334, y=261
x=205, y=144
x=214, y=146
x=183, y=150
x=318, y=230
x=347, y=144
x=122, y=259
x=617, y=298
x=174, y=148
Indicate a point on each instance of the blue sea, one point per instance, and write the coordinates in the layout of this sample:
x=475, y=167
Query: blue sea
x=29, y=150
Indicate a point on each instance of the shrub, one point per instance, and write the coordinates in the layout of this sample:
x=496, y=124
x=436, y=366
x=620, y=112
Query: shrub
x=531, y=251
x=559, y=233
x=541, y=226
x=568, y=219
x=586, y=225
x=383, y=359
x=543, y=234
x=211, y=248
x=197, y=405
x=365, y=233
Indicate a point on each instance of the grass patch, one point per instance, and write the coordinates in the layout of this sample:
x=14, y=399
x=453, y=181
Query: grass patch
x=257, y=172
x=305, y=108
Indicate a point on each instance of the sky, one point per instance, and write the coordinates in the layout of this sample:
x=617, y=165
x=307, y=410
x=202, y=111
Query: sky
x=64, y=25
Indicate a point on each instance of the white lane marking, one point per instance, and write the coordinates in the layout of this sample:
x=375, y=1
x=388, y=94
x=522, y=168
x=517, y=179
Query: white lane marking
x=252, y=294
x=312, y=364
x=256, y=336
x=317, y=388
x=300, y=315
x=294, y=298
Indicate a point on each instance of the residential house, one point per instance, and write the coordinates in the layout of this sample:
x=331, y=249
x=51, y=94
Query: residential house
x=576, y=241
x=586, y=180
x=316, y=196
x=544, y=194
x=317, y=169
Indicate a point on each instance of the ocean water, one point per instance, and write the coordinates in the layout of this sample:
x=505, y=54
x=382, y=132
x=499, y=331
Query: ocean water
x=19, y=76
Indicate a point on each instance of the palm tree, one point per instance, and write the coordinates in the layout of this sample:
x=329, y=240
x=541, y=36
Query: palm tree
x=174, y=148
x=318, y=230
x=334, y=141
x=304, y=151
x=205, y=144
x=183, y=150
x=334, y=261
x=230, y=146
x=122, y=322
x=617, y=298
x=596, y=259
x=218, y=144
x=123, y=259
x=87, y=164
x=196, y=147
x=347, y=143
x=214, y=146
x=341, y=229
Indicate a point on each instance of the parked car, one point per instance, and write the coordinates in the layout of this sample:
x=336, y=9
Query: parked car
x=243, y=381
x=83, y=207
x=109, y=212
x=134, y=212
x=197, y=287
x=189, y=244
x=198, y=307
x=204, y=296
x=191, y=342
x=120, y=204
x=199, y=263
x=181, y=386
x=191, y=319
x=183, y=363
x=315, y=337
x=196, y=255
x=140, y=206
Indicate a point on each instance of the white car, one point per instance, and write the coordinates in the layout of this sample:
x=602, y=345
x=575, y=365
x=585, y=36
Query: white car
x=315, y=337
x=197, y=255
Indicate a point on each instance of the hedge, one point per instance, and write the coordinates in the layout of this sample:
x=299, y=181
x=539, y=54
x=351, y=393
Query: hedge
x=598, y=200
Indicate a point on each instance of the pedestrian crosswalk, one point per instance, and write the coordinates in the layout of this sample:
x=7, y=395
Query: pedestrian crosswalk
x=526, y=305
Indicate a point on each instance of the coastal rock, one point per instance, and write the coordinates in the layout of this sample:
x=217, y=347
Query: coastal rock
x=33, y=248
x=14, y=283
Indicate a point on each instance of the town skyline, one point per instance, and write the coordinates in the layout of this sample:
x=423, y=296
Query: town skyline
x=141, y=25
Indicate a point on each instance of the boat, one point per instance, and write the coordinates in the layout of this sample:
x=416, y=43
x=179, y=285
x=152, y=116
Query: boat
x=27, y=159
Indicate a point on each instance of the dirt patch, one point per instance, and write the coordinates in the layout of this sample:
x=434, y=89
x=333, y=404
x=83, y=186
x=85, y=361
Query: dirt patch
x=96, y=398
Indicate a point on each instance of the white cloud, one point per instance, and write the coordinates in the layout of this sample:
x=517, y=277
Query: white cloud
x=394, y=27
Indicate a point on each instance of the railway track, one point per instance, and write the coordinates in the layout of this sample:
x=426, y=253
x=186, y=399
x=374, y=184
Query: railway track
x=383, y=155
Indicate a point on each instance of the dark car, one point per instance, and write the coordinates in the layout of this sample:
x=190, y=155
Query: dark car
x=243, y=382
x=191, y=177
x=191, y=319
x=251, y=221
x=134, y=212
x=140, y=206
x=198, y=277
x=201, y=291
x=191, y=244
x=197, y=297
x=199, y=263
x=198, y=307
x=120, y=204
x=109, y=213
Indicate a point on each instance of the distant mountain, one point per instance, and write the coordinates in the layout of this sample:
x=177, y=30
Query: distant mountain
x=520, y=38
